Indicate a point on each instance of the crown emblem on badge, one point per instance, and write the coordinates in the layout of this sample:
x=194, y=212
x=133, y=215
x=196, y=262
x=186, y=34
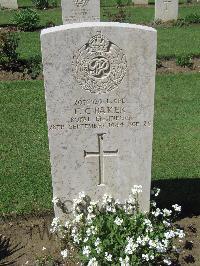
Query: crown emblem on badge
x=98, y=42
x=99, y=66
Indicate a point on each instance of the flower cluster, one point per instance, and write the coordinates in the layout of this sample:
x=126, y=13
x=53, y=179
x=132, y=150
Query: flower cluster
x=113, y=233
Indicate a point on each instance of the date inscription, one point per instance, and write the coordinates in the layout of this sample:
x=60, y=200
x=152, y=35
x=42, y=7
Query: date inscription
x=100, y=113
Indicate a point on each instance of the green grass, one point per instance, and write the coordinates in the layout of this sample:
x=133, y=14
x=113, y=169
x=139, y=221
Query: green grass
x=171, y=42
x=49, y=15
x=141, y=15
x=176, y=131
x=26, y=48
x=25, y=183
x=25, y=180
x=178, y=41
x=134, y=14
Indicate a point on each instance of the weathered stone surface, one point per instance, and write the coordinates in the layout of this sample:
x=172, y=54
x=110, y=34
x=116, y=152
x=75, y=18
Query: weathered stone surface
x=80, y=11
x=140, y=2
x=12, y=4
x=99, y=85
x=166, y=10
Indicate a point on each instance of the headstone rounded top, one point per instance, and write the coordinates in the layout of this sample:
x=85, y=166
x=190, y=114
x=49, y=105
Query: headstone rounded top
x=96, y=24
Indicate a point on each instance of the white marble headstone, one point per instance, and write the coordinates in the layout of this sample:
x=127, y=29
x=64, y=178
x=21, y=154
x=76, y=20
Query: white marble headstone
x=99, y=85
x=140, y=2
x=74, y=11
x=166, y=10
x=12, y=4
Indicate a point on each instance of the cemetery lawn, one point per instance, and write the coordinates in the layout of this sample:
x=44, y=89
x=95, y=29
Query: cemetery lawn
x=171, y=42
x=25, y=179
x=138, y=15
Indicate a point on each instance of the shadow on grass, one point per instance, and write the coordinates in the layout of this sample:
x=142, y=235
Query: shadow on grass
x=185, y=192
x=7, y=250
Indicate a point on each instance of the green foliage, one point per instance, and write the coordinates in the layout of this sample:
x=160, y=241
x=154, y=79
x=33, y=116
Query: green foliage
x=49, y=24
x=109, y=232
x=158, y=63
x=8, y=47
x=46, y=260
x=41, y=4
x=193, y=18
x=44, y=4
x=54, y=3
x=184, y=61
x=34, y=66
x=26, y=19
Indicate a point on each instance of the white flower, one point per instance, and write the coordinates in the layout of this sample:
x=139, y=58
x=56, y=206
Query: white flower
x=117, y=201
x=108, y=256
x=157, y=192
x=97, y=242
x=88, y=232
x=124, y=262
x=148, y=223
x=55, y=222
x=74, y=230
x=85, y=239
x=176, y=207
x=76, y=239
x=91, y=230
x=86, y=251
x=110, y=209
x=180, y=233
x=157, y=212
x=55, y=200
x=130, y=247
x=90, y=217
x=131, y=199
x=55, y=225
x=106, y=199
x=93, y=262
x=78, y=218
x=64, y=253
x=152, y=257
x=81, y=195
x=166, y=223
x=165, y=242
x=169, y=235
x=152, y=243
x=90, y=209
x=160, y=247
x=167, y=262
x=43, y=249
x=145, y=257
x=118, y=221
x=67, y=224
x=136, y=189
x=166, y=212
x=98, y=250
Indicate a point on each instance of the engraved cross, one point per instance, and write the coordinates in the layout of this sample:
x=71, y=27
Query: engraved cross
x=100, y=154
x=166, y=2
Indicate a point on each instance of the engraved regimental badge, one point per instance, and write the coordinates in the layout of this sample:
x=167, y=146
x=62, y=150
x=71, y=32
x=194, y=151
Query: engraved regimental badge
x=99, y=65
x=81, y=3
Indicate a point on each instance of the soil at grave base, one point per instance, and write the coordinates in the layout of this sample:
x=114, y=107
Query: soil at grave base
x=168, y=67
x=31, y=234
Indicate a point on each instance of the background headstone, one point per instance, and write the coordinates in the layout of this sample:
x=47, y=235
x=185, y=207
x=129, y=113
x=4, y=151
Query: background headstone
x=166, y=10
x=99, y=85
x=140, y=2
x=80, y=11
x=12, y=4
